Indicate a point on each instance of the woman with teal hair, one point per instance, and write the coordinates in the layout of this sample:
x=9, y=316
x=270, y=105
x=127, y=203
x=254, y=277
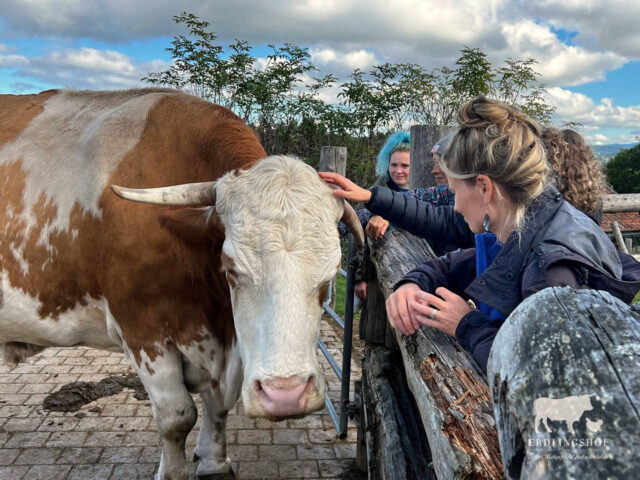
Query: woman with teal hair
x=393, y=162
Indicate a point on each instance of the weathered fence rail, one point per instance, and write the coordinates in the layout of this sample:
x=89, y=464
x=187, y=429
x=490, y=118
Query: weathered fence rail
x=450, y=390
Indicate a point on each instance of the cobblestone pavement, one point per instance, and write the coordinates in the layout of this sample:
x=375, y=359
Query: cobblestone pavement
x=118, y=439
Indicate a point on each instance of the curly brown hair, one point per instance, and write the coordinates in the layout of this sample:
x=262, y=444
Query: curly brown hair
x=575, y=171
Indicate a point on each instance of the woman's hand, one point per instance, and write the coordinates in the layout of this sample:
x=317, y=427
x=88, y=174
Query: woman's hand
x=360, y=290
x=350, y=190
x=398, y=311
x=376, y=227
x=442, y=313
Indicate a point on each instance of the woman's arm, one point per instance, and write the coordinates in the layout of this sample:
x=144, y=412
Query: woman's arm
x=421, y=218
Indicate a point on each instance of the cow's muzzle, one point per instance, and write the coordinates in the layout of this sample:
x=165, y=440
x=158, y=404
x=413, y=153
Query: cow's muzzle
x=286, y=397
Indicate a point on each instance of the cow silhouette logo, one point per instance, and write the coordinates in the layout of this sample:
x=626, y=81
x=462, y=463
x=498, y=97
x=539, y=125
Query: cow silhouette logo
x=567, y=409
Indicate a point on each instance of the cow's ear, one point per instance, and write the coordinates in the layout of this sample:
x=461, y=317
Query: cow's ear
x=194, y=226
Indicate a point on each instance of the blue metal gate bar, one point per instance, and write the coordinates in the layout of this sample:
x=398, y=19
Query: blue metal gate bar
x=343, y=374
x=330, y=359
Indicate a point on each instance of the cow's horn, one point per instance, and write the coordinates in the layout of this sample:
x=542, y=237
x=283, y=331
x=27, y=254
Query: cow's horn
x=351, y=220
x=188, y=194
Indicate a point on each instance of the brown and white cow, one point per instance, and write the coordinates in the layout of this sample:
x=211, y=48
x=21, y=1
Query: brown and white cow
x=80, y=266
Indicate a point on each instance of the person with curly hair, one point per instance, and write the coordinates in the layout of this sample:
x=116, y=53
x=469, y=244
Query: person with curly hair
x=575, y=171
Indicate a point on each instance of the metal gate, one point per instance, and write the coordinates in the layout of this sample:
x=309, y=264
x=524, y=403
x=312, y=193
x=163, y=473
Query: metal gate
x=344, y=373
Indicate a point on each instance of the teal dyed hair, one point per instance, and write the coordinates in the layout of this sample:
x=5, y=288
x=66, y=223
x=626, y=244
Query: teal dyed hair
x=397, y=142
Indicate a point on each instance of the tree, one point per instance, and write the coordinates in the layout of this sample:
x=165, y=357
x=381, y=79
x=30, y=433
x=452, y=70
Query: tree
x=623, y=170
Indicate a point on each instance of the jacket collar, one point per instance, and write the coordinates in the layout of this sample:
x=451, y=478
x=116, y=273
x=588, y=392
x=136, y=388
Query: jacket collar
x=504, y=273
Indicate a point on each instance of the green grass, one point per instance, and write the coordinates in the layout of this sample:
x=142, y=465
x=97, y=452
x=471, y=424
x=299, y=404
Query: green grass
x=637, y=299
x=341, y=293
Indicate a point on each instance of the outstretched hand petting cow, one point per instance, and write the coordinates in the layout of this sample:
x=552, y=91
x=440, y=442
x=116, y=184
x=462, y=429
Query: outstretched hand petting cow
x=217, y=289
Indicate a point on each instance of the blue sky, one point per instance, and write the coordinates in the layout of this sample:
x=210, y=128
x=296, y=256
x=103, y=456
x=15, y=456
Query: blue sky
x=588, y=51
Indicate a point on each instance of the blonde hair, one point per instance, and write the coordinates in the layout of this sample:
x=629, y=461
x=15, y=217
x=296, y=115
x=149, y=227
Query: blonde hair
x=499, y=141
x=575, y=171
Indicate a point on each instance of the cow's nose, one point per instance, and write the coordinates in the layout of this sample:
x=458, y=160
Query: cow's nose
x=282, y=397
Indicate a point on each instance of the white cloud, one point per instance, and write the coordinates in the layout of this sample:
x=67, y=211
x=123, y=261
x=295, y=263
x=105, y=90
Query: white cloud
x=605, y=24
x=83, y=68
x=571, y=106
x=341, y=63
x=558, y=63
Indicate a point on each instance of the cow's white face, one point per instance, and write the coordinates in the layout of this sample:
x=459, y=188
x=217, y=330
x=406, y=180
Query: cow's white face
x=280, y=252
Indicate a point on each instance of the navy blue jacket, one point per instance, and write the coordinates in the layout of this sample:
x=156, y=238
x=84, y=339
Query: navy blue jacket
x=559, y=245
x=421, y=218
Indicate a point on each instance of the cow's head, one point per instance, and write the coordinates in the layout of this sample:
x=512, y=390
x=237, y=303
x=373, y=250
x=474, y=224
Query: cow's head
x=280, y=252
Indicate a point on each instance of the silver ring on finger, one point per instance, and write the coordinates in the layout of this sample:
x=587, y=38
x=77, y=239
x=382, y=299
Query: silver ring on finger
x=433, y=313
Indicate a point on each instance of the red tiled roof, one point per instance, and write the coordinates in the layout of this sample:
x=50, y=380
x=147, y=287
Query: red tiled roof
x=628, y=221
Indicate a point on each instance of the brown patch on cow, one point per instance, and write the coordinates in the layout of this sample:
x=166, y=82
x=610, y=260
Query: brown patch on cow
x=201, y=348
x=323, y=294
x=60, y=280
x=214, y=383
x=177, y=291
x=159, y=268
x=17, y=111
x=149, y=369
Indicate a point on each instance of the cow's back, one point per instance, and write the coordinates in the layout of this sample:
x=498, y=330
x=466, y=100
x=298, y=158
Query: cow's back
x=71, y=252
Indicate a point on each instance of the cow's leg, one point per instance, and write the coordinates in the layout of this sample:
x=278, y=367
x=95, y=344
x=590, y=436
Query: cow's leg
x=173, y=409
x=546, y=425
x=211, y=448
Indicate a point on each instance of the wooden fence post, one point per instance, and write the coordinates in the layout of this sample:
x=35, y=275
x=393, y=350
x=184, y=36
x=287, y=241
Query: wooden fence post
x=333, y=159
x=423, y=138
x=564, y=376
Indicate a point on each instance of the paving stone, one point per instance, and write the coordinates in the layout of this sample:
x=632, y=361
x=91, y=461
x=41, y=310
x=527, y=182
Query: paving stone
x=322, y=436
x=93, y=472
x=242, y=452
x=312, y=421
x=58, y=424
x=298, y=469
x=263, y=423
x=277, y=452
x=77, y=361
x=36, y=399
x=119, y=411
x=63, y=378
x=8, y=378
x=38, y=456
x=36, y=388
x=150, y=455
x=120, y=454
x=13, y=472
x=316, y=452
x=27, y=439
x=22, y=424
x=290, y=436
x=33, y=377
x=77, y=455
x=95, y=424
x=72, y=352
x=8, y=411
x=140, y=471
x=132, y=424
x=57, y=370
x=48, y=472
x=239, y=422
x=67, y=439
x=141, y=439
x=254, y=437
x=104, y=439
x=257, y=470
x=8, y=455
x=10, y=388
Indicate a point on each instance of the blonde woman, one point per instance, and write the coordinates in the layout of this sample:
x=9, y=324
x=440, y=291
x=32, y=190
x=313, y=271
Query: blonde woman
x=527, y=237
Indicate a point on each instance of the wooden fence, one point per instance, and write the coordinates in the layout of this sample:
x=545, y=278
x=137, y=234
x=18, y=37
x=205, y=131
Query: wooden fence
x=559, y=344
